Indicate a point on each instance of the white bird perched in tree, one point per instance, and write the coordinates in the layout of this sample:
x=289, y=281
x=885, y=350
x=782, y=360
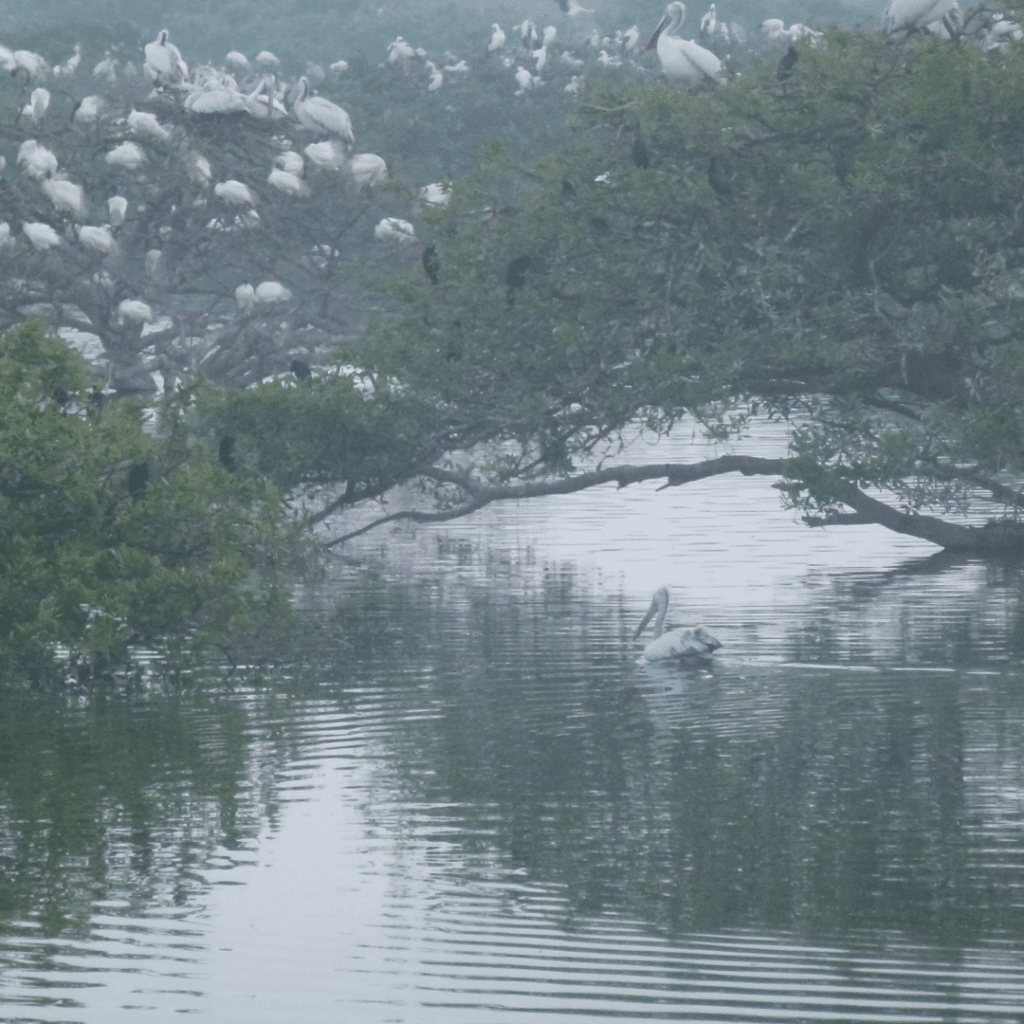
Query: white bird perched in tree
x=126, y=155
x=460, y=66
x=215, y=96
x=997, y=36
x=328, y=156
x=497, y=38
x=574, y=7
x=163, y=64
x=541, y=56
x=436, y=77
x=89, y=110
x=135, y=309
x=909, y=15
x=436, y=194
x=391, y=228
x=573, y=62
x=272, y=291
x=400, y=50
x=709, y=23
x=286, y=181
x=237, y=60
x=525, y=80
x=320, y=115
x=142, y=123
x=42, y=236
x=548, y=36
x=117, y=207
x=36, y=160
x=38, y=104
x=245, y=297
x=340, y=65
x=677, y=644
x=65, y=195
x=797, y=31
x=70, y=66
x=98, y=238
x=31, y=63
x=265, y=101
x=106, y=68
x=198, y=168
x=290, y=161
x=574, y=86
x=609, y=60
x=235, y=192
x=267, y=59
x=630, y=37
x=682, y=60
x=527, y=33
x=368, y=169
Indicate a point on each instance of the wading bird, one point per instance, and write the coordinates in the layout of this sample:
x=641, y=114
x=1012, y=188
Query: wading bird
x=682, y=644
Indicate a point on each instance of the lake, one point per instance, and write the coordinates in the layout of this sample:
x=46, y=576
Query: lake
x=469, y=803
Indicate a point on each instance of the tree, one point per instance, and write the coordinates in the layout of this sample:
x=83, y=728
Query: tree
x=839, y=246
x=110, y=536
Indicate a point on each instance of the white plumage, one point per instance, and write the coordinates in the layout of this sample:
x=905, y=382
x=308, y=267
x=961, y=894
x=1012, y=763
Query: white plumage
x=31, y=63
x=267, y=59
x=320, y=115
x=907, y=15
x=391, y=228
x=163, y=63
x=328, y=156
x=42, y=236
x=38, y=104
x=340, y=65
x=142, y=123
x=235, y=192
x=497, y=38
x=290, y=161
x=135, y=309
x=237, y=60
x=65, y=195
x=117, y=207
x=287, y=182
x=631, y=37
x=436, y=194
x=271, y=291
x=682, y=60
x=400, y=50
x=88, y=110
x=98, y=238
x=436, y=77
x=676, y=644
x=126, y=155
x=36, y=160
x=245, y=297
x=368, y=169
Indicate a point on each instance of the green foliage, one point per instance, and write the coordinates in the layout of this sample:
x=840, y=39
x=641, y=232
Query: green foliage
x=97, y=552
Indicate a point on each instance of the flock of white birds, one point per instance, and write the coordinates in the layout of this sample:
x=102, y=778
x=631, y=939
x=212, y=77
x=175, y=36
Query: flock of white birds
x=210, y=92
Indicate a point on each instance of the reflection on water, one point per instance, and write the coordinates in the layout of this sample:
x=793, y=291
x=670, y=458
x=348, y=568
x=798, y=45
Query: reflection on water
x=473, y=804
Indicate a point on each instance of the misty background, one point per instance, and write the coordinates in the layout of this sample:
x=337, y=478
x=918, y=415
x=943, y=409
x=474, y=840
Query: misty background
x=327, y=30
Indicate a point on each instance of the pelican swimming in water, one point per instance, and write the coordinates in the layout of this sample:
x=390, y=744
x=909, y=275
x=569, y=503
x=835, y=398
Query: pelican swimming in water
x=695, y=642
x=682, y=60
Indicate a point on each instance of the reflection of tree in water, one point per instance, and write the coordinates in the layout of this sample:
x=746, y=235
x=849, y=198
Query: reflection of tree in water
x=815, y=799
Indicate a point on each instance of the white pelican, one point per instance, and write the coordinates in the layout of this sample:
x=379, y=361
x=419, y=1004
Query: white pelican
x=908, y=15
x=245, y=297
x=31, y=63
x=609, y=60
x=574, y=86
x=36, y=160
x=525, y=80
x=287, y=182
x=682, y=60
x=265, y=100
x=42, y=236
x=117, y=207
x=237, y=60
x=38, y=104
x=163, y=63
x=695, y=642
x=631, y=37
x=142, y=123
x=395, y=229
x=235, y=192
x=71, y=64
x=267, y=59
x=436, y=77
x=574, y=7
x=135, y=309
x=271, y=291
x=320, y=115
x=99, y=239
x=460, y=66
x=709, y=23
x=573, y=62
x=549, y=35
x=436, y=194
x=88, y=110
x=340, y=65
x=497, y=38
x=65, y=195
x=541, y=56
x=328, y=156
x=368, y=169
x=290, y=161
x=198, y=168
x=400, y=49
x=127, y=155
